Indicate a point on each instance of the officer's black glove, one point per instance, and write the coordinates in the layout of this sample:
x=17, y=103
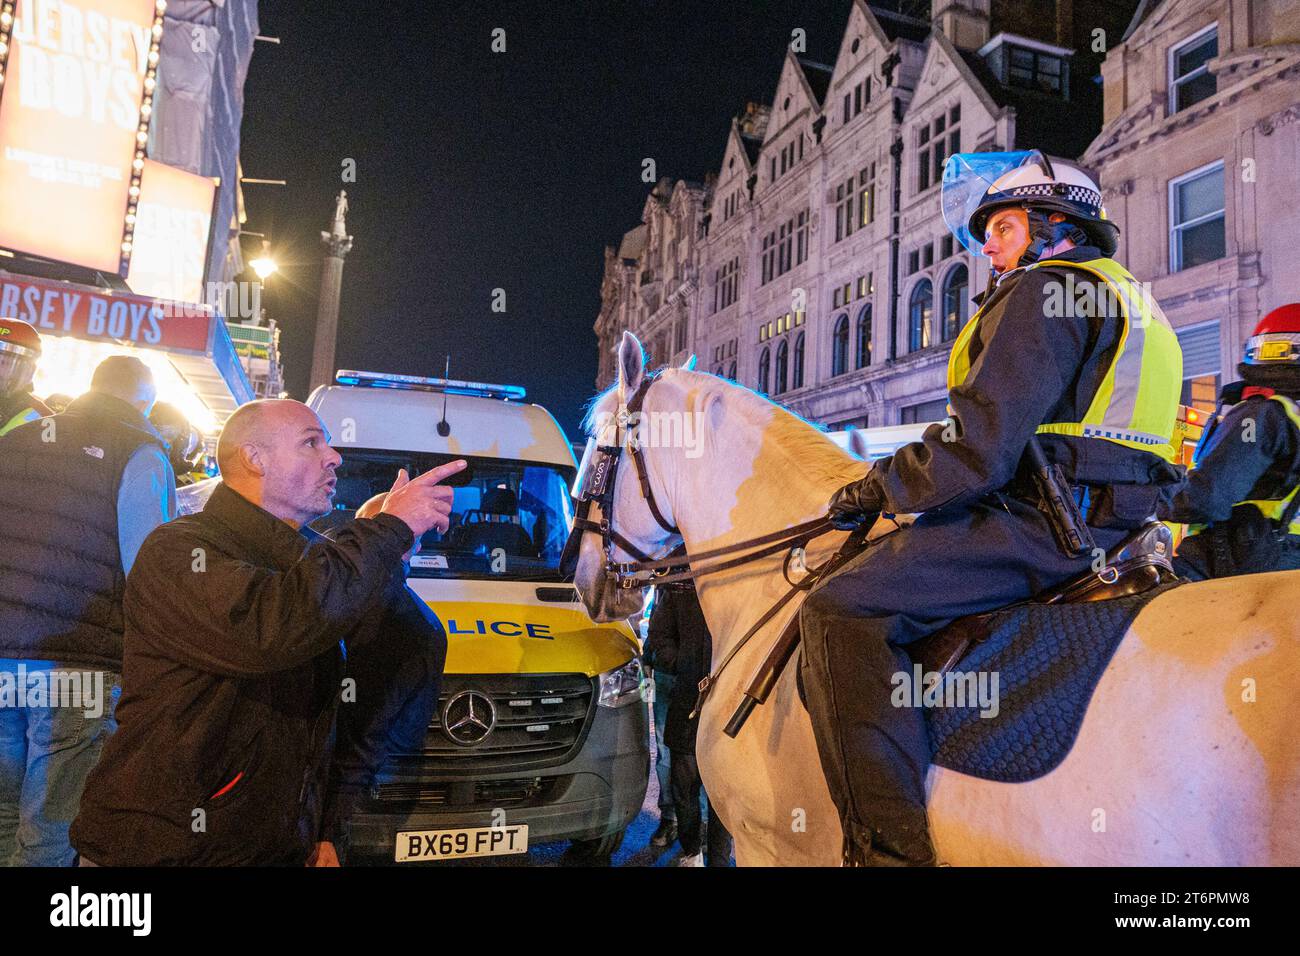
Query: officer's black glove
x=853, y=505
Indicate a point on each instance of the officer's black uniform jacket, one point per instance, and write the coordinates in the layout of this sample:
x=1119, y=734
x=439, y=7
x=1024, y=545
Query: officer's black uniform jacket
x=1028, y=368
x=1252, y=455
x=232, y=670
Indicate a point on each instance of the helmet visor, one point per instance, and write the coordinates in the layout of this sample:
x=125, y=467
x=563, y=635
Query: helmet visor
x=968, y=180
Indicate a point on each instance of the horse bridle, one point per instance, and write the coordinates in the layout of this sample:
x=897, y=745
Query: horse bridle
x=595, y=484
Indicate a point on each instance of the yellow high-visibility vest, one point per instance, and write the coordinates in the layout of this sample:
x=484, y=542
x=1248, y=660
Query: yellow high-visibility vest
x=1270, y=507
x=22, y=418
x=1136, y=404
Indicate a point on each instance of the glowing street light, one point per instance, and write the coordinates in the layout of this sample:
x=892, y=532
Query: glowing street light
x=264, y=265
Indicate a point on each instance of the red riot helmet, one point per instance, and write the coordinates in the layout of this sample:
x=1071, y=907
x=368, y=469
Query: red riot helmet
x=20, y=350
x=1273, y=351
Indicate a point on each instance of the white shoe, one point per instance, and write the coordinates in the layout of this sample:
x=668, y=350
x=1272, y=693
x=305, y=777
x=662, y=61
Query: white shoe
x=696, y=860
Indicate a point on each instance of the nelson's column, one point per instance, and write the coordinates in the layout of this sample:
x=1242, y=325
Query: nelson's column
x=337, y=244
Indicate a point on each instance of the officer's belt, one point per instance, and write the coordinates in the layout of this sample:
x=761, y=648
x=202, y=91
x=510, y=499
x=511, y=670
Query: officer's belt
x=1087, y=497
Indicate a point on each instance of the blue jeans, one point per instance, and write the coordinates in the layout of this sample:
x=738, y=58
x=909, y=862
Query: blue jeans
x=47, y=749
x=663, y=690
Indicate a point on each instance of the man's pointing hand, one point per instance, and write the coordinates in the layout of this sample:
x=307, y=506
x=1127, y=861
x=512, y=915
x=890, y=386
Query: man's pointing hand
x=421, y=502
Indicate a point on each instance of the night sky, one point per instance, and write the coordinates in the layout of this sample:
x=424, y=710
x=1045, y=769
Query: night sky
x=479, y=170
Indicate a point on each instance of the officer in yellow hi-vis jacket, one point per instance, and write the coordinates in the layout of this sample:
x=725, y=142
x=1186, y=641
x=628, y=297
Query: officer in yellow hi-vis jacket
x=1240, y=499
x=1065, y=357
x=20, y=351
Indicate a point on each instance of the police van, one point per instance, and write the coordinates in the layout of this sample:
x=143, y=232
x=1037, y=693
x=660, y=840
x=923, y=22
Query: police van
x=541, y=731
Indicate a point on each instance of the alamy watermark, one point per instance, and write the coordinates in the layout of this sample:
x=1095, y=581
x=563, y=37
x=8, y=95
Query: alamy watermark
x=922, y=688
x=45, y=687
x=660, y=429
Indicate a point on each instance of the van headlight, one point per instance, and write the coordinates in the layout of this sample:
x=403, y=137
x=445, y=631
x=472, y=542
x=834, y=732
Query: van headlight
x=622, y=685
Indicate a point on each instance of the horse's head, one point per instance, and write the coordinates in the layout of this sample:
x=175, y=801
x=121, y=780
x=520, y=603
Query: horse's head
x=638, y=525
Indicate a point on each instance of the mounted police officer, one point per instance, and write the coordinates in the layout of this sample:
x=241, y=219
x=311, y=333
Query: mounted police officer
x=1064, y=361
x=1240, y=497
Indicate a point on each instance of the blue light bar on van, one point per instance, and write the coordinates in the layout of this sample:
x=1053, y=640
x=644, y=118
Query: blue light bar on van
x=420, y=383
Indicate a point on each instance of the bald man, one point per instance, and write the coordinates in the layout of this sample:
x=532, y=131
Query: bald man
x=85, y=488
x=237, y=626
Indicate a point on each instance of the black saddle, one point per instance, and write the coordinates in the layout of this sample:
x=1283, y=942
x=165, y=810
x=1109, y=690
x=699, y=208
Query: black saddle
x=1142, y=563
x=1047, y=654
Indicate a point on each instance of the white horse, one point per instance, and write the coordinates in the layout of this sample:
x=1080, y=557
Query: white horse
x=1188, y=754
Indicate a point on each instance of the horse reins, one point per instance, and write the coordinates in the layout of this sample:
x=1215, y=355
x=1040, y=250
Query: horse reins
x=677, y=567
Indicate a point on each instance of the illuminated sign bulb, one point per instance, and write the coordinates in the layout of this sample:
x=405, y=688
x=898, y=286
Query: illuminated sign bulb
x=126, y=247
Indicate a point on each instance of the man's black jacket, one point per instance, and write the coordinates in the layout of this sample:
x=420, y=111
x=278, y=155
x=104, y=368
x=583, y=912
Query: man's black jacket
x=678, y=643
x=232, y=670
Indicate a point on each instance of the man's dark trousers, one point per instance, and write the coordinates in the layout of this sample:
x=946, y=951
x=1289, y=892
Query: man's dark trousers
x=855, y=625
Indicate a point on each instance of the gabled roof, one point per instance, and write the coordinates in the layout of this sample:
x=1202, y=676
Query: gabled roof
x=818, y=77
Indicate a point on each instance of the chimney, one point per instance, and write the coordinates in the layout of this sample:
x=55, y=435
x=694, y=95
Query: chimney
x=964, y=22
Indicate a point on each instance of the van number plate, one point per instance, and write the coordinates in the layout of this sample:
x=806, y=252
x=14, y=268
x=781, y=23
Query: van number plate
x=415, y=845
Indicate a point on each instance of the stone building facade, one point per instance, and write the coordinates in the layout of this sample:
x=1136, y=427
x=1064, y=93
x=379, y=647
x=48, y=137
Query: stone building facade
x=1200, y=165
x=822, y=271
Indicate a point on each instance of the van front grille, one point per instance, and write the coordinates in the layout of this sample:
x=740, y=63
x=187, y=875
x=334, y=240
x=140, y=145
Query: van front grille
x=461, y=795
x=533, y=720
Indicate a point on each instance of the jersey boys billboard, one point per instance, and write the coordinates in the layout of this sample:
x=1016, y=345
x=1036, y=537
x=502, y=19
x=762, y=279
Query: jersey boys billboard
x=70, y=118
x=173, y=227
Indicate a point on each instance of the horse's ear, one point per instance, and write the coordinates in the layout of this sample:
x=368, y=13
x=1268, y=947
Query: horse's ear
x=631, y=365
x=858, y=444
x=689, y=364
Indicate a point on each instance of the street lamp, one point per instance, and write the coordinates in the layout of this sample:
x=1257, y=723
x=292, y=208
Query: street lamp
x=264, y=265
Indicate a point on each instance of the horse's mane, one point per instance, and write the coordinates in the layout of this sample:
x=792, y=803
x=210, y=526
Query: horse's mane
x=818, y=456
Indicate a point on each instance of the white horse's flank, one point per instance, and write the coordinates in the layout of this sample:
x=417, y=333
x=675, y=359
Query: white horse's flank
x=1187, y=756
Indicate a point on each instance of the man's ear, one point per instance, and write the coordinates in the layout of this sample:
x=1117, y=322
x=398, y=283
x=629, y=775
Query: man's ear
x=252, y=458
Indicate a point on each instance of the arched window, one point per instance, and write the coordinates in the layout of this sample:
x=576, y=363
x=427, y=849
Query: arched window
x=731, y=372
x=840, y=346
x=864, y=336
x=763, y=371
x=956, y=302
x=798, y=361
x=920, y=305
x=782, y=367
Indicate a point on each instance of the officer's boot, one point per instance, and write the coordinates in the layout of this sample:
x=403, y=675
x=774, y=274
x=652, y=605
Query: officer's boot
x=909, y=846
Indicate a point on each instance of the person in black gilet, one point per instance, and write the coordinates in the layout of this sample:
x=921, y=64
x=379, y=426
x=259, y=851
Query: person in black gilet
x=85, y=487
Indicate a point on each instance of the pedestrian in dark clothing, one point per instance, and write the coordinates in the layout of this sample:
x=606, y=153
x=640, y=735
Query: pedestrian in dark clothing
x=679, y=643
x=1247, y=469
x=84, y=489
x=236, y=633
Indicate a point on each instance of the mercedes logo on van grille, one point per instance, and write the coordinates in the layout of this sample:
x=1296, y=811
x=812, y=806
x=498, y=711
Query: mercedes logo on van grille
x=468, y=718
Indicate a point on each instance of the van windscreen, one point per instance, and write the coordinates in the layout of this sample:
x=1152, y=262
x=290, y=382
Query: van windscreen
x=509, y=518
